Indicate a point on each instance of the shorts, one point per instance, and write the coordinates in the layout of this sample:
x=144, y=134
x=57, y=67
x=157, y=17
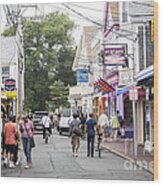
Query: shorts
x=10, y=148
x=75, y=141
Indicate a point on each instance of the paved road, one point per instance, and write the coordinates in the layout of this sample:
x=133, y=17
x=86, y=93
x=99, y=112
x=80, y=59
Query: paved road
x=55, y=160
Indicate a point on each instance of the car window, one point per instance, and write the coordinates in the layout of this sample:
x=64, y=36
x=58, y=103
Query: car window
x=66, y=113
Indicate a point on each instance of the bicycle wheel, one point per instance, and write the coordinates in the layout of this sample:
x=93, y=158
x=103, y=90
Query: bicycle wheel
x=99, y=152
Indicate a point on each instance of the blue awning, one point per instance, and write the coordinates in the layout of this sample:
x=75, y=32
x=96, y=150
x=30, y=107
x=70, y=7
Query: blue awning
x=122, y=91
x=146, y=74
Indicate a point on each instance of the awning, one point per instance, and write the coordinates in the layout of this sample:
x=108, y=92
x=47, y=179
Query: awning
x=122, y=91
x=141, y=91
x=145, y=74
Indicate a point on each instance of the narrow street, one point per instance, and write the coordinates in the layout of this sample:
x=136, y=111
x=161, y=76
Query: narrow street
x=55, y=160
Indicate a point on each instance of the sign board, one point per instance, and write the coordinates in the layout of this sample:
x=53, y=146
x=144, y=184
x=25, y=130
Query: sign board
x=133, y=93
x=10, y=84
x=115, y=56
x=82, y=75
x=125, y=77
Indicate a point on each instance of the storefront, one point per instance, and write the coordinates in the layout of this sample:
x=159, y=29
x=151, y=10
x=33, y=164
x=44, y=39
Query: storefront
x=10, y=103
x=146, y=80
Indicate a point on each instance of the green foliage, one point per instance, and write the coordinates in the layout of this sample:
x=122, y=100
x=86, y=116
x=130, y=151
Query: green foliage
x=9, y=32
x=59, y=94
x=48, y=61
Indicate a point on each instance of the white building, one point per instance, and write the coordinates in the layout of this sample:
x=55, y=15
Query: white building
x=87, y=59
x=9, y=68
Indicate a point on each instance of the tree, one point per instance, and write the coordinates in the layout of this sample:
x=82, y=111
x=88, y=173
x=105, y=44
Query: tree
x=49, y=54
x=48, y=58
x=11, y=31
x=59, y=94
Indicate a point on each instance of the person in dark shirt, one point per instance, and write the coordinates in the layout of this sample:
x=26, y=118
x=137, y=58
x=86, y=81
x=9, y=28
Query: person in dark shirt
x=91, y=123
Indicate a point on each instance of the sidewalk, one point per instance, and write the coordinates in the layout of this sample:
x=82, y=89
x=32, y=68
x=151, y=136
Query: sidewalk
x=124, y=148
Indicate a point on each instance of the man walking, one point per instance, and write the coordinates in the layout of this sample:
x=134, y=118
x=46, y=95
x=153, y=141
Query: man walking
x=91, y=123
x=46, y=124
x=75, y=134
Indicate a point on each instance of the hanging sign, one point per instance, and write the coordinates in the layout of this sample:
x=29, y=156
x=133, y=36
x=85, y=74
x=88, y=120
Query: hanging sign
x=10, y=84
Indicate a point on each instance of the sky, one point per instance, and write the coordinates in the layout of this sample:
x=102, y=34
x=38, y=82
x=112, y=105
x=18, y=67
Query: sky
x=93, y=10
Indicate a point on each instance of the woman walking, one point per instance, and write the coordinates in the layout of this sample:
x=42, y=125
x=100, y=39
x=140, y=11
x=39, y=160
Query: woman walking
x=27, y=136
x=75, y=133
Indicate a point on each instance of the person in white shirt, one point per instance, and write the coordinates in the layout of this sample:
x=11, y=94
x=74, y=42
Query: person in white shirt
x=103, y=122
x=46, y=122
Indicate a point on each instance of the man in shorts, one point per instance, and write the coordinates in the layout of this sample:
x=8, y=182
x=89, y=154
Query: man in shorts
x=10, y=132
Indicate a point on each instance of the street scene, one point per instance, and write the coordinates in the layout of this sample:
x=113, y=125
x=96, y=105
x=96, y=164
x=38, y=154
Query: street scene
x=77, y=90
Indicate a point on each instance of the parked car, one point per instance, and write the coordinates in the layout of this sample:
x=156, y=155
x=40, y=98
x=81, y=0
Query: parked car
x=38, y=120
x=65, y=119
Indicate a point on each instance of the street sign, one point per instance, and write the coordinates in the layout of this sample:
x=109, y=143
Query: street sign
x=133, y=93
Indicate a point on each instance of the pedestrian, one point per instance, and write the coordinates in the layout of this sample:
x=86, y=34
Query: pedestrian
x=103, y=122
x=46, y=122
x=83, y=125
x=10, y=131
x=75, y=133
x=115, y=126
x=4, y=121
x=17, y=141
x=121, y=122
x=27, y=132
x=91, y=123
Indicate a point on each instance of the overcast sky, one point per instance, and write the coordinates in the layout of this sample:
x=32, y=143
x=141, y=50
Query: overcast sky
x=93, y=10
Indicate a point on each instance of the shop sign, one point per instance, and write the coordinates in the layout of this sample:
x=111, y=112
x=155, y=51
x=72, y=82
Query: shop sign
x=10, y=84
x=10, y=94
x=125, y=77
x=82, y=75
x=133, y=93
x=114, y=56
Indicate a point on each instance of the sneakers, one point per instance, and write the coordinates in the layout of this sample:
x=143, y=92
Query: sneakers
x=75, y=154
x=17, y=163
x=26, y=166
x=11, y=164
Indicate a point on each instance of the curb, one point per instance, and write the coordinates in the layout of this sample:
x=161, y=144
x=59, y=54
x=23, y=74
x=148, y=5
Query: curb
x=134, y=161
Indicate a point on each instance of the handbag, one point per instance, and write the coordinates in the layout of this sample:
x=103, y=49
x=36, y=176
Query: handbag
x=32, y=142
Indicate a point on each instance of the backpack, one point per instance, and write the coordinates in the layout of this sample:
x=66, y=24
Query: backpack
x=76, y=130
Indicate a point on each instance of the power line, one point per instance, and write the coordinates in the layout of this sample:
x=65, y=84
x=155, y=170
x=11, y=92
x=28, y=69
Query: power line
x=88, y=8
x=78, y=13
x=141, y=3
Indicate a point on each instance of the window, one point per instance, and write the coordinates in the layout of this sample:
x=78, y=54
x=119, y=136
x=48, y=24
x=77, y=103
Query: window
x=149, y=45
x=5, y=71
x=141, y=48
x=124, y=13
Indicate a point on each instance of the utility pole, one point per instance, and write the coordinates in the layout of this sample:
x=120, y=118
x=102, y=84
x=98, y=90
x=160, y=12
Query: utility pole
x=14, y=14
x=0, y=65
